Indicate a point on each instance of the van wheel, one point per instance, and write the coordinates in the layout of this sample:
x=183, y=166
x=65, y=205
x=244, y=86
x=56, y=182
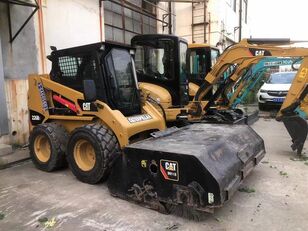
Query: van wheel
x=91, y=152
x=47, y=144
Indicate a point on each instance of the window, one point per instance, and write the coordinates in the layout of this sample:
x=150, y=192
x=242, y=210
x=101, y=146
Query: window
x=69, y=66
x=199, y=62
x=72, y=70
x=214, y=56
x=127, y=18
x=184, y=98
x=122, y=81
x=282, y=78
x=157, y=60
x=183, y=50
x=147, y=6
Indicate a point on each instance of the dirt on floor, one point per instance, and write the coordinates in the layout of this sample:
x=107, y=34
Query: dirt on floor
x=273, y=197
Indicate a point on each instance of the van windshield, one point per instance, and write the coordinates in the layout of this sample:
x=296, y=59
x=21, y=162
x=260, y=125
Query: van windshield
x=282, y=78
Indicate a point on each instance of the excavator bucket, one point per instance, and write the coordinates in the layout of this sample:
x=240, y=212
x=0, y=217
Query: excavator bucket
x=199, y=166
x=297, y=128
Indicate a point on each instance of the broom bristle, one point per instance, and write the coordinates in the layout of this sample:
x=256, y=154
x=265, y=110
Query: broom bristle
x=187, y=212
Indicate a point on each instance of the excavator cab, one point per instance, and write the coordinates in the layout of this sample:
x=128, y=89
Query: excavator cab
x=161, y=60
x=200, y=59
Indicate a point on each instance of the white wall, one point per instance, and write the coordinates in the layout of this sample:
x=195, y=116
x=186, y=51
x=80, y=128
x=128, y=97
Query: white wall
x=183, y=20
x=70, y=23
x=223, y=21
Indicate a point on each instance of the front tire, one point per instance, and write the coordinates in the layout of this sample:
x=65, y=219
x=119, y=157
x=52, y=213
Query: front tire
x=91, y=151
x=47, y=144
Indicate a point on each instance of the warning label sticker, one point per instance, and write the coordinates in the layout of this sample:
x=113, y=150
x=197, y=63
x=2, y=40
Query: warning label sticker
x=169, y=169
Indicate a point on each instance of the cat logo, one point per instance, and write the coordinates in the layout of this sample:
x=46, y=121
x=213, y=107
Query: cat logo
x=259, y=53
x=86, y=106
x=170, y=166
x=169, y=169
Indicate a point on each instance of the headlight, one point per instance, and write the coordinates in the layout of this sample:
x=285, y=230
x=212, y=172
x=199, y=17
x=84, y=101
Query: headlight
x=263, y=91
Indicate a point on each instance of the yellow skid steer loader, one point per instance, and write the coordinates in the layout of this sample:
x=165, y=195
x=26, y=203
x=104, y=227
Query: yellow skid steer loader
x=90, y=113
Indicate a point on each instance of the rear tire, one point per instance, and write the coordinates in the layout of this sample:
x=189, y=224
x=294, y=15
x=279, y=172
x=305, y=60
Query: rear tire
x=91, y=152
x=47, y=144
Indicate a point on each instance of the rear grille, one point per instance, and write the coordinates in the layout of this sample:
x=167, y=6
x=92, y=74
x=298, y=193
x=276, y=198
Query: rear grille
x=277, y=93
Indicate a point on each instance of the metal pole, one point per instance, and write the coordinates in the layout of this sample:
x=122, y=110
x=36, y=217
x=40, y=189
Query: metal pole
x=205, y=6
x=9, y=20
x=170, y=17
x=240, y=22
x=4, y=126
x=192, y=22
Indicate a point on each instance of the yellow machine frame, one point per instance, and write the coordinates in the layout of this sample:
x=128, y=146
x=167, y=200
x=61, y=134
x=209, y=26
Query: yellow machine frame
x=113, y=119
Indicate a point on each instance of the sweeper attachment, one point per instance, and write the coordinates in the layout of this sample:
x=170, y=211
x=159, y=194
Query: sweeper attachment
x=199, y=166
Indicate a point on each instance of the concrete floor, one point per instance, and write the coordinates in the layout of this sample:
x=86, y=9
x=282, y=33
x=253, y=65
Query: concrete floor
x=279, y=202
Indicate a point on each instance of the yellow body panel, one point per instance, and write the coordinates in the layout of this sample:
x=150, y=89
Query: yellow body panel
x=199, y=45
x=114, y=119
x=298, y=85
x=156, y=92
x=193, y=88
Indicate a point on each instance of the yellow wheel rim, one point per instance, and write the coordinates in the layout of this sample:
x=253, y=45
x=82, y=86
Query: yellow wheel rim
x=42, y=148
x=84, y=155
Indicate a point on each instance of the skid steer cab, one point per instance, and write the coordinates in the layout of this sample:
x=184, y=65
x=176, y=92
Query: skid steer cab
x=87, y=109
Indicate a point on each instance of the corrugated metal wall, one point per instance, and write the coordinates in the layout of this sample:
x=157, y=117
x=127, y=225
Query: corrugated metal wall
x=4, y=129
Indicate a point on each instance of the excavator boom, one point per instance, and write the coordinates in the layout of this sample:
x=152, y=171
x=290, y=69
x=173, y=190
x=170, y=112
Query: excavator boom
x=241, y=57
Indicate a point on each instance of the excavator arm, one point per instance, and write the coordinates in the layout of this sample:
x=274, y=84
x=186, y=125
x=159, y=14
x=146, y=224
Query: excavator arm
x=240, y=57
x=248, y=81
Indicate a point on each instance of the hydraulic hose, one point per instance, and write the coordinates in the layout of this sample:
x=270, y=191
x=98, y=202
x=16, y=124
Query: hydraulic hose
x=151, y=100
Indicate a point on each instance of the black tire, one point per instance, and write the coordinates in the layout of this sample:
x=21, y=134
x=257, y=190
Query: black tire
x=262, y=107
x=105, y=146
x=53, y=135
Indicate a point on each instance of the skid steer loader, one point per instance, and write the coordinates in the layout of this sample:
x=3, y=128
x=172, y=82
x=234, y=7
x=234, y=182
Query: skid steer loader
x=89, y=112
